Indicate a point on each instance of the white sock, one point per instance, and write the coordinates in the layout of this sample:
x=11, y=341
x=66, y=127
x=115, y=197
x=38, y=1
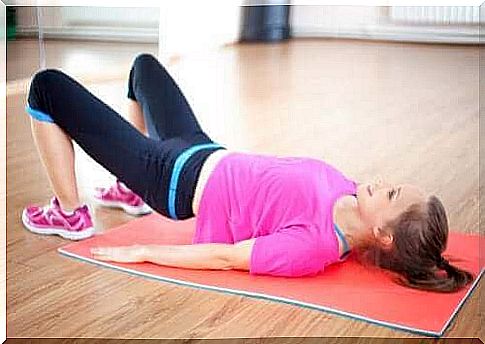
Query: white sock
x=68, y=212
x=124, y=187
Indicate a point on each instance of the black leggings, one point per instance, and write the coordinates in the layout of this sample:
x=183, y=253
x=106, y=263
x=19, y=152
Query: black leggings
x=163, y=168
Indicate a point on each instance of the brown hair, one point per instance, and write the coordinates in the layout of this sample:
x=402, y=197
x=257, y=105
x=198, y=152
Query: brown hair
x=420, y=236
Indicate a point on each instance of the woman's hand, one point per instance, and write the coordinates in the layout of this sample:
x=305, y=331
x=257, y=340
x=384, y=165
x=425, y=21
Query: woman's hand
x=120, y=254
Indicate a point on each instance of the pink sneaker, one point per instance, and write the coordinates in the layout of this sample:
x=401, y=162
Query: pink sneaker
x=119, y=196
x=52, y=219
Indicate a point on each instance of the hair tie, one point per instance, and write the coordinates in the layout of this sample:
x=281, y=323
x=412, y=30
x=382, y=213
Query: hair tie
x=445, y=265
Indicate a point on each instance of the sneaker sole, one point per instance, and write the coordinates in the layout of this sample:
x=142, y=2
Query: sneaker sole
x=135, y=211
x=66, y=234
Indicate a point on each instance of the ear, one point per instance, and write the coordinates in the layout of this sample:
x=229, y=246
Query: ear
x=382, y=236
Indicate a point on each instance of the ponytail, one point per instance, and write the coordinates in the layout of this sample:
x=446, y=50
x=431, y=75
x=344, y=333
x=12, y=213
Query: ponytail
x=456, y=278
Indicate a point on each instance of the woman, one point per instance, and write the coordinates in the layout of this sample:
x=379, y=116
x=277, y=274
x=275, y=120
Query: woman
x=277, y=216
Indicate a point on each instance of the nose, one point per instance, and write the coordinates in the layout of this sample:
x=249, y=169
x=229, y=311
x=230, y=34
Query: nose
x=378, y=181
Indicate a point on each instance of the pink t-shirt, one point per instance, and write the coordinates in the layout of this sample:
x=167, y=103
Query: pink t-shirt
x=284, y=202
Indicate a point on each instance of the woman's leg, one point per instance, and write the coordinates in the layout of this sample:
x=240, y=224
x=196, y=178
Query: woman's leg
x=156, y=107
x=99, y=130
x=53, y=143
x=118, y=195
x=135, y=116
x=165, y=109
x=168, y=116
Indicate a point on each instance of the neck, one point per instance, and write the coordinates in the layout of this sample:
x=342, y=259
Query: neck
x=346, y=216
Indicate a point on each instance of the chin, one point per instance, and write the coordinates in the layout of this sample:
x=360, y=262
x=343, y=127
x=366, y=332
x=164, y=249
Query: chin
x=362, y=198
x=362, y=192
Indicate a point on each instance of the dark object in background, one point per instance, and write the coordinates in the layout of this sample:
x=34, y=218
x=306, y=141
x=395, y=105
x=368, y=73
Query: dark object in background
x=11, y=22
x=265, y=23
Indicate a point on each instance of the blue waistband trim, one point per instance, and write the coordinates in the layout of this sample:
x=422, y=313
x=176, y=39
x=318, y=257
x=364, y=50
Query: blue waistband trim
x=38, y=115
x=344, y=241
x=177, y=168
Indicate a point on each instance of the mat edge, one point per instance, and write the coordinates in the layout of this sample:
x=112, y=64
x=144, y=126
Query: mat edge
x=389, y=325
x=462, y=302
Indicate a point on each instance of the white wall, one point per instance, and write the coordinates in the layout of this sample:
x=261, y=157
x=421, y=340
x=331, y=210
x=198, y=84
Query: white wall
x=204, y=26
x=97, y=23
x=370, y=22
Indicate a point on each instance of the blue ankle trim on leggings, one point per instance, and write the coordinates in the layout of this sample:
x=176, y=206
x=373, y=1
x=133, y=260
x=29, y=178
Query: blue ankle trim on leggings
x=39, y=115
x=177, y=168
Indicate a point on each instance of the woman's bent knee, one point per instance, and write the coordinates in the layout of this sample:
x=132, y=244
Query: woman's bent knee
x=46, y=77
x=37, y=94
x=144, y=58
x=144, y=61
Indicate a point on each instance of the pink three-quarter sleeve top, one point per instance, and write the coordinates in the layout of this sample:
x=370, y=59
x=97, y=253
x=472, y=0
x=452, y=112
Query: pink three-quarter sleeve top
x=286, y=203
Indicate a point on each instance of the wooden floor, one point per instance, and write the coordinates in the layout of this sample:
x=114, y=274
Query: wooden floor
x=408, y=112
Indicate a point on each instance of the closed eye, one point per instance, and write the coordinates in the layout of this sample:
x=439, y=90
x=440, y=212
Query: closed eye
x=394, y=192
x=391, y=193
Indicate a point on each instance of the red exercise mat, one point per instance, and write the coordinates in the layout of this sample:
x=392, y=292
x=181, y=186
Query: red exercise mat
x=346, y=289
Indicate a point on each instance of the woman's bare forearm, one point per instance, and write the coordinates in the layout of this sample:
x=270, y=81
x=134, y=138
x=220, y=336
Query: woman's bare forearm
x=215, y=256
x=196, y=256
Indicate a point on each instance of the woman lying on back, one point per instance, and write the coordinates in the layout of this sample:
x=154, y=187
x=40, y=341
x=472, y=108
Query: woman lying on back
x=281, y=216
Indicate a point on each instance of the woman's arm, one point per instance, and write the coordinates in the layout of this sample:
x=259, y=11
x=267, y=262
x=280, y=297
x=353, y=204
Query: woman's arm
x=196, y=256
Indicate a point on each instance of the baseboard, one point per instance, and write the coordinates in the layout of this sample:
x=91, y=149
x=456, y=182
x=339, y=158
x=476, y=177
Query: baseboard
x=403, y=33
x=122, y=34
x=390, y=32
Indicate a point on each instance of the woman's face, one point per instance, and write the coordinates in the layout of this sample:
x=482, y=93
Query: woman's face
x=380, y=202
